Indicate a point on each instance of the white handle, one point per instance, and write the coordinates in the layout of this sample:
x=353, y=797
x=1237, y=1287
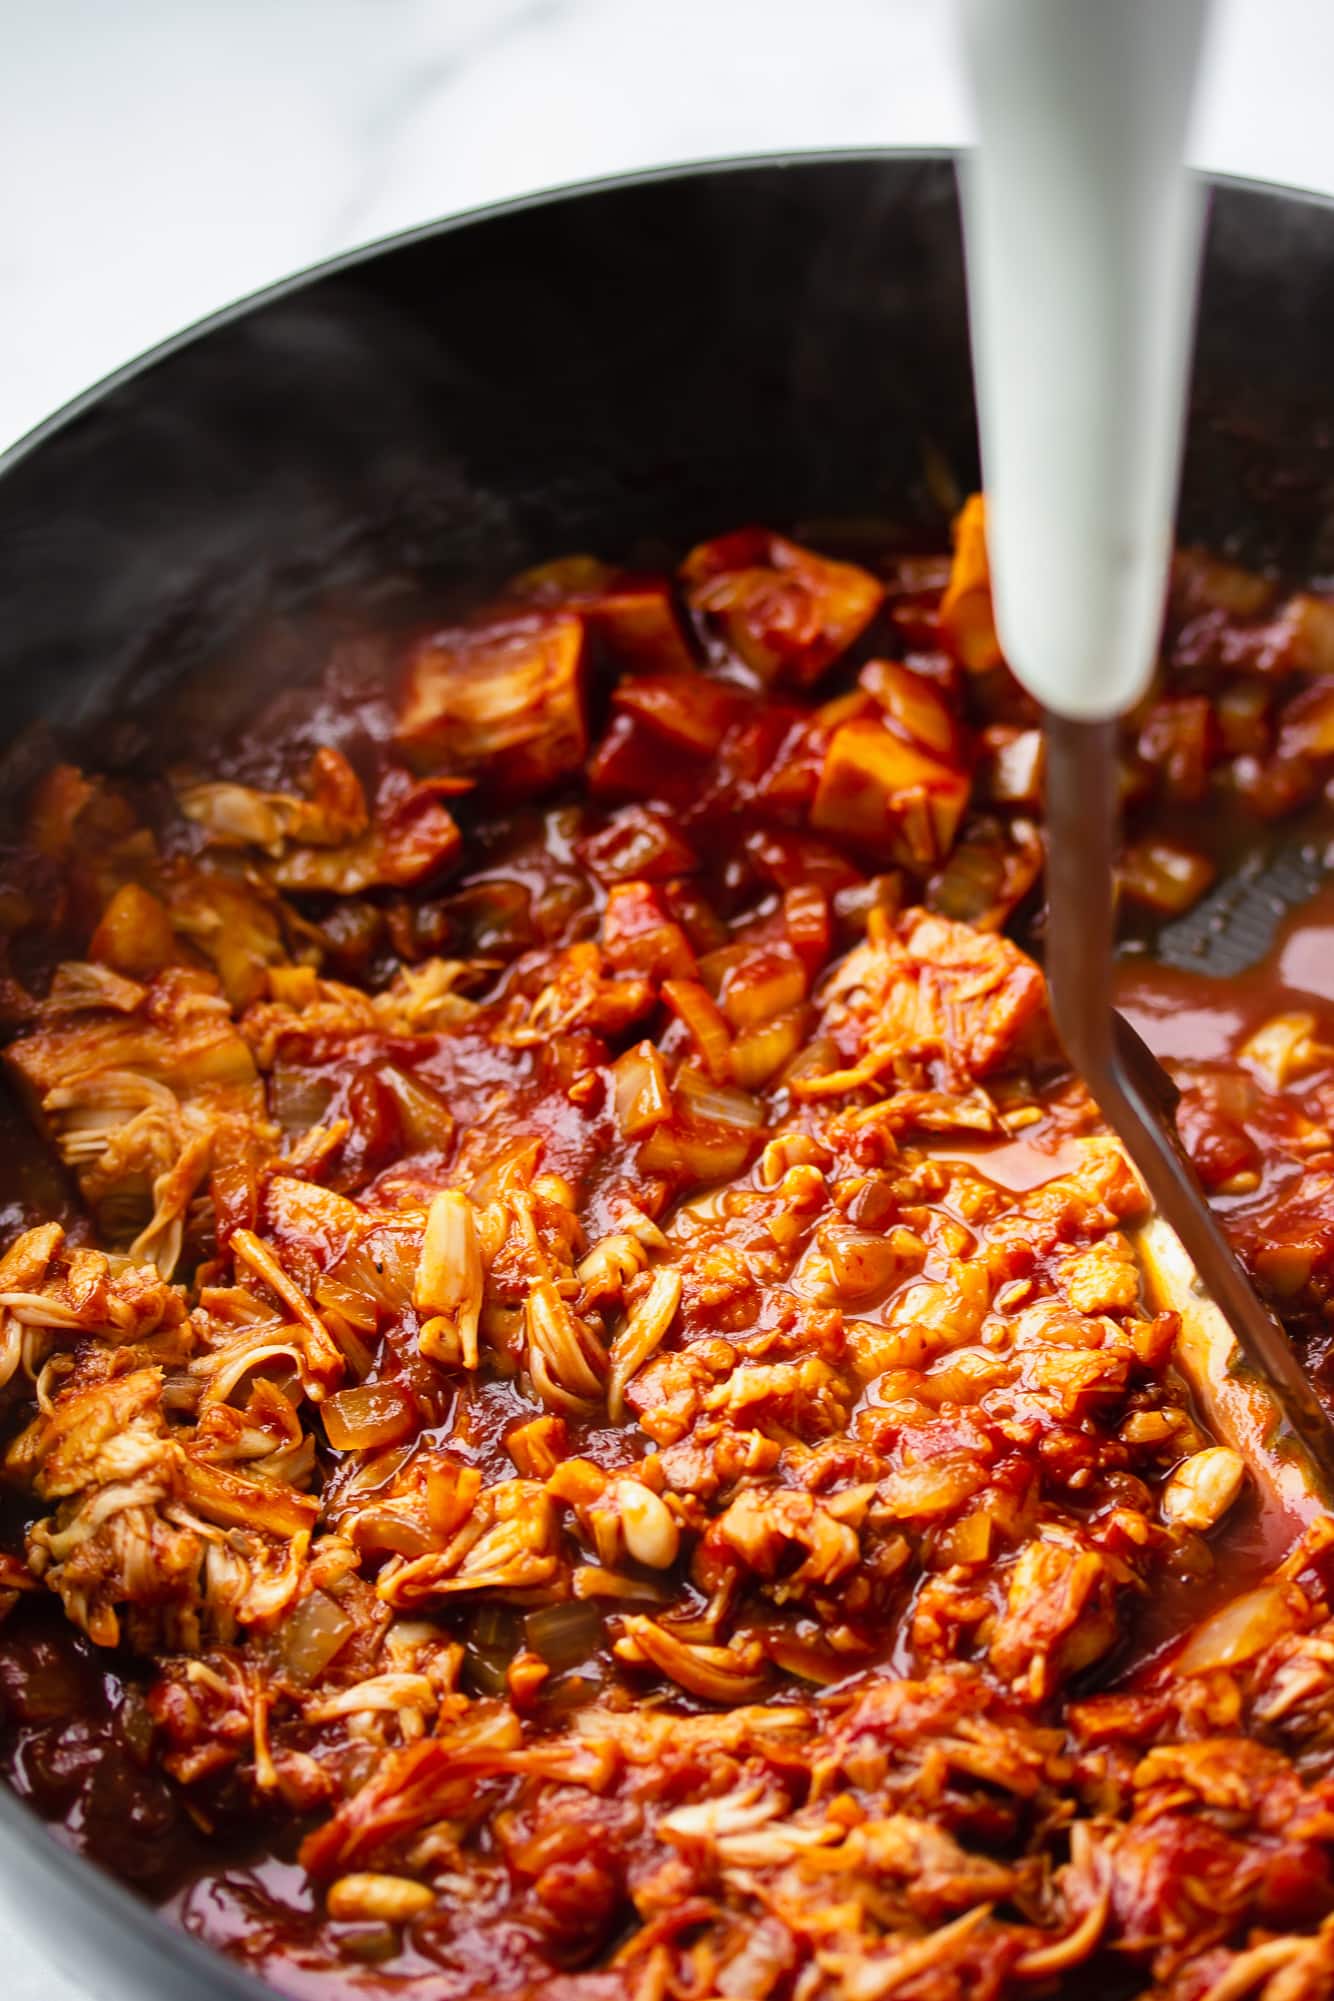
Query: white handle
x=1082, y=228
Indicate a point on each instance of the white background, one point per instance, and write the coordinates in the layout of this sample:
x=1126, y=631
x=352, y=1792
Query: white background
x=160, y=157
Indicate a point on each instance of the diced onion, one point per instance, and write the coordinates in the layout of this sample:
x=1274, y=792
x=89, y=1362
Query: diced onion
x=642, y=1097
x=1242, y=712
x=360, y=1355
x=988, y=874
x=298, y=1099
x=853, y=905
x=1306, y=726
x=716, y=1104
x=806, y=921
x=760, y=1053
x=715, y=966
x=693, y=1005
x=512, y=1165
x=369, y=1415
x=966, y=620
x=494, y=917
x=913, y=704
x=317, y=1630
x=1164, y=876
x=565, y=1635
x=354, y=1306
x=637, y=845
x=687, y=709
x=768, y=982
x=1284, y=1047
x=383, y=1267
x=1018, y=758
x=707, y=1156
x=1237, y=1631
x=426, y=1118
x=817, y=1059
x=381, y=1529
x=1285, y=1268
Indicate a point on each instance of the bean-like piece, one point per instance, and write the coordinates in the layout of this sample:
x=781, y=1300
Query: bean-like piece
x=1204, y=1487
x=389, y=1900
x=648, y=1525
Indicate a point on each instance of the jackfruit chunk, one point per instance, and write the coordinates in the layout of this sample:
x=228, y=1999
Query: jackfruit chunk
x=785, y=611
x=889, y=797
x=505, y=700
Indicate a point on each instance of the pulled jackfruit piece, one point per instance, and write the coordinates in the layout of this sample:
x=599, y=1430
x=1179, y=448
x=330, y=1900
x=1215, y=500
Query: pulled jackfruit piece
x=329, y=841
x=506, y=699
x=787, y=612
x=509, y=1541
x=149, y=1543
x=140, y=1088
x=929, y=992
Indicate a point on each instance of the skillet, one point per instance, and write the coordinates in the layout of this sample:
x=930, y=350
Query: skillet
x=634, y=363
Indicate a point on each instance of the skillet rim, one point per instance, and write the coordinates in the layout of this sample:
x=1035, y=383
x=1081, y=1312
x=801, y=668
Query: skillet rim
x=21, y=448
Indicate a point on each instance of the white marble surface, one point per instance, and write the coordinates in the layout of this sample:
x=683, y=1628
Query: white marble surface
x=160, y=157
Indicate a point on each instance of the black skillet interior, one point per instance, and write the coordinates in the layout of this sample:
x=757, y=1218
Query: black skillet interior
x=659, y=358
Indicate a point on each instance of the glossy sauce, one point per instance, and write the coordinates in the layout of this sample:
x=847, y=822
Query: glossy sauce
x=1197, y=1017
x=1262, y=1141
x=1197, y=1025
x=77, y=1742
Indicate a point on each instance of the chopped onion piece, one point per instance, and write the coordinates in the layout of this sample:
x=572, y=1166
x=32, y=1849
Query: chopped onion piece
x=1285, y=1047
x=760, y=1053
x=716, y=1104
x=298, y=1099
x=967, y=622
x=381, y=1529
x=806, y=921
x=768, y=981
x=565, y=1635
x=1237, y=1631
x=369, y=1415
x=817, y=1059
x=691, y=1003
x=642, y=1097
x=914, y=705
x=383, y=1267
x=309, y=1639
x=359, y=1354
x=426, y=1118
x=706, y=1156
x=1164, y=876
x=353, y=1306
x=1017, y=761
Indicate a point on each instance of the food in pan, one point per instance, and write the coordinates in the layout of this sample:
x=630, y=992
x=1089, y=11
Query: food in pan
x=588, y=1408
